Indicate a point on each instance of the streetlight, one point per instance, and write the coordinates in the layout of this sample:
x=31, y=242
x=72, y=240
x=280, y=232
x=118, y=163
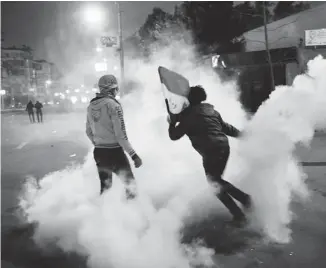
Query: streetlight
x=94, y=15
x=99, y=49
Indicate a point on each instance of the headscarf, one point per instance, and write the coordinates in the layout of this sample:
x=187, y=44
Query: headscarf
x=107, y=84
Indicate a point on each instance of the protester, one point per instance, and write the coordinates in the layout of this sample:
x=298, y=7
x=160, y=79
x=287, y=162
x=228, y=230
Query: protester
x=38, y=106
x=30, y=110
x=207, y=132
x=106, y=129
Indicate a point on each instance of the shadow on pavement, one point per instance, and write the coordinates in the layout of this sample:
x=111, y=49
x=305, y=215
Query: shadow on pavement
x=216, y=233
x=19, y=250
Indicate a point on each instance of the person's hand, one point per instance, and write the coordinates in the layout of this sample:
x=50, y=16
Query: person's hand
x=168, y=119
x=137, y=161
x=172, y=119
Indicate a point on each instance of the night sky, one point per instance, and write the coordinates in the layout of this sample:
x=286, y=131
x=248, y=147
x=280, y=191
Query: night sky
x=55, y=29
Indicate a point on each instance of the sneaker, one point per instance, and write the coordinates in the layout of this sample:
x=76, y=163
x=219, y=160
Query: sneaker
x=130, y=195
x=239, y=222
x=247, y=205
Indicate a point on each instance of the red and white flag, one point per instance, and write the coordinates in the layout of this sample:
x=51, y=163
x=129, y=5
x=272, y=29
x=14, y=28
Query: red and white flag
x=175, y=89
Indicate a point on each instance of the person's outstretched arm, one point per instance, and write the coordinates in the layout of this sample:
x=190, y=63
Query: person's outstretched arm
x=228, y=129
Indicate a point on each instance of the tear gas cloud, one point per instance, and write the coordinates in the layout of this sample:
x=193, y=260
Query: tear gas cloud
x=112, y=232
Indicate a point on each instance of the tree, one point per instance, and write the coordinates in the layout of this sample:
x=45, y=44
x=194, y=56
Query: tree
x=250, y=15
x=155, y=23
x=208, y=22
x=287, y=8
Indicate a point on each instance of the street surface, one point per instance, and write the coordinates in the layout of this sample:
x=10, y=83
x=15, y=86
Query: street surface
x=38, y=149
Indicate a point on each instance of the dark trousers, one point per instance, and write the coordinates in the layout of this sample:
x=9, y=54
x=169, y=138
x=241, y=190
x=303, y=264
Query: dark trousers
x=214, y=164
x=31, y=117
x=109, y=161
x=39, y=115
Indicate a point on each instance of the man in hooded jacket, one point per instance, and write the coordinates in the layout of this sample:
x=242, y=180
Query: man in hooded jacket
x=106, y=129
x=208, y=134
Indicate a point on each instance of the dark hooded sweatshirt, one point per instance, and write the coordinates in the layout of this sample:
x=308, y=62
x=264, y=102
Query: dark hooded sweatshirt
x=205, y=128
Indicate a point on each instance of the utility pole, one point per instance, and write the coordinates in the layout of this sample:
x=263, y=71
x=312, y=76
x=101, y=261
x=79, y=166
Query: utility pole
x=122, y=67
x=267, y=48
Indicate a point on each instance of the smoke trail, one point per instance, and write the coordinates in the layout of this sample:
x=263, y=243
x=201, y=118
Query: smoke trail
x=146, y=232
x=270, y=172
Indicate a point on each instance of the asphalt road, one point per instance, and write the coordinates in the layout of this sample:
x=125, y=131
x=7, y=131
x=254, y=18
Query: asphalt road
x=59, y=143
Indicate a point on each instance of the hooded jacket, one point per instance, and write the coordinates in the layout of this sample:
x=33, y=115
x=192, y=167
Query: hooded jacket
x=105, y=125
x=30, y=107
x=205, y=128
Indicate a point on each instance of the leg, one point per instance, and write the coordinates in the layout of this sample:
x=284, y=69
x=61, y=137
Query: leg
x=105, y=178
x=214, y=165
x=38, y=117
x=236, y=193
x=33, y=117
x=122, y=169
x=30, y=117
x=41, y=114
x=104, y=171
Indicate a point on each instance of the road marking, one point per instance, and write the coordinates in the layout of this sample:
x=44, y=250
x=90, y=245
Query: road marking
x=22, y=145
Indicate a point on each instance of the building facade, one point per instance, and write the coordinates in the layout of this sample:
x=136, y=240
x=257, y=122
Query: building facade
x=16, y=70
x=293, y=41
x=305, y=30
x=23, y=78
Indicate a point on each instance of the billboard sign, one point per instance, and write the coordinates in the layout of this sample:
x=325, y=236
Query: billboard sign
x=109, y=41
x=315, y=37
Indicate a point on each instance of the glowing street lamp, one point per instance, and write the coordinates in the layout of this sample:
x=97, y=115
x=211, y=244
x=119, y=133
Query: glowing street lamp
x=93, y=14
x=99, y=49
x=48, y=82
x=2, y=92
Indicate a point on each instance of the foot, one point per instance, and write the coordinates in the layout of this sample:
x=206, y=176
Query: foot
x=239, y=222
x=130, y=195
x=247, y=205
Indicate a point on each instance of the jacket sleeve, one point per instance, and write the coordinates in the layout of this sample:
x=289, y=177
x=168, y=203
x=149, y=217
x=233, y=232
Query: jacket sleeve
x=228, y=129
x=176, y=132
x=89, y=131
x=120, y=130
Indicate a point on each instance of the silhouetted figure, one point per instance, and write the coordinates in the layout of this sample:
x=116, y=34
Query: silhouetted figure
x=30, y=110
x=208, y=134
x=38, y=106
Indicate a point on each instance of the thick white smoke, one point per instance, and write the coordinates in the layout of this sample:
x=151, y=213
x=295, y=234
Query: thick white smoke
x=112, y=232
